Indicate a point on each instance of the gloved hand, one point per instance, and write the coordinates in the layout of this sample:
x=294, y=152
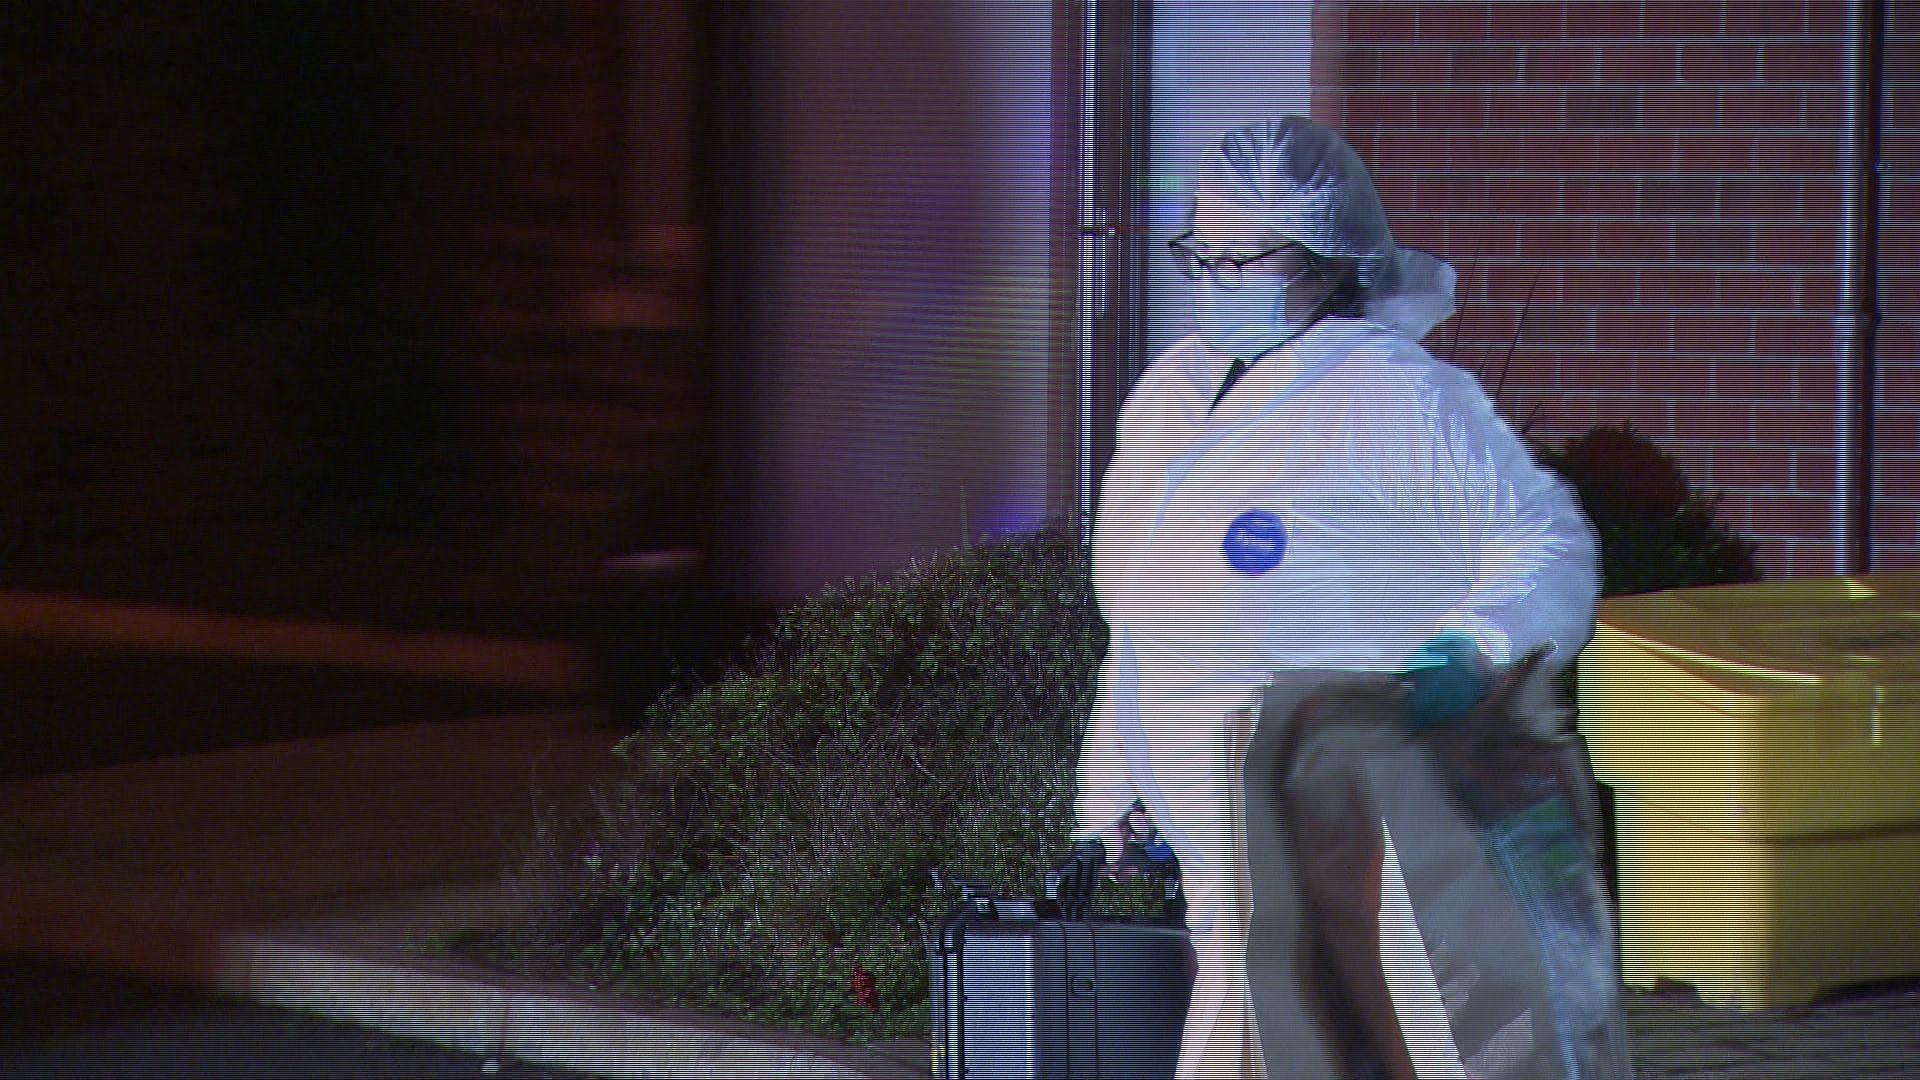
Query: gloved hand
x=1128, y=831
x=1445, y=679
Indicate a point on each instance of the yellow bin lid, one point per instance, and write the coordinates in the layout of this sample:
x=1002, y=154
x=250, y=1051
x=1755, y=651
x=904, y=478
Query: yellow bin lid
x=1779, y=708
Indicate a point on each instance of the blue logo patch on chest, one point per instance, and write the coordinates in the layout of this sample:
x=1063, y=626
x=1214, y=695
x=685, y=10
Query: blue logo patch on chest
x=1256, y=542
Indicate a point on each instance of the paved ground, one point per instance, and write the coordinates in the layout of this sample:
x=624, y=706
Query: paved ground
x=66, y=1023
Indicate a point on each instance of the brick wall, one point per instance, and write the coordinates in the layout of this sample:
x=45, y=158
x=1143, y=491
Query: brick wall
x=1664, y=180
x=1897, y=479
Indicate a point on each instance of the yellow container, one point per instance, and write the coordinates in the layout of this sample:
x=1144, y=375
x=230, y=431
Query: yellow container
x=1763, y=742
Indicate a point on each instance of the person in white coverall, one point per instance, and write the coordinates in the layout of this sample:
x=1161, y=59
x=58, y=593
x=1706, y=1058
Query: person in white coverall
x=1299, y=485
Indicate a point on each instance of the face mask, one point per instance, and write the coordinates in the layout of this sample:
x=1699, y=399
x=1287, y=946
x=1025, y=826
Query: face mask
x=1250, y=320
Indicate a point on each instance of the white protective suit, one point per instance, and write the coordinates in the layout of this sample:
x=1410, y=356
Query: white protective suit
x=1389, y=503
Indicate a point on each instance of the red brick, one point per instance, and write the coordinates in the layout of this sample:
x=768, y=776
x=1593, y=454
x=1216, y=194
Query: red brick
x=1638, y=64
x=1374, y=105
x=1752, y=467
x=1785, y=425
x=1718, y=64
x=1603, y=18
x=1683, y=195
x=1556, y=239
x=1495, y=326
x=1411, y=152
x=1452, y=108
x=1902, y=104
x=1456, y=192
x=1900, y=381
x=1525, y=194
x=1899, y=198
x=1759, y=197
x=1399, y=194
x=1585, y=372
x=1559, y=326
x=1715, y=420
x=1373, y=23
x=1781, y=514
x=1638, y=331
x=1899, y=301
x=1718, y=335
x=1485, y=238
x=1897, y=429
x=1508, y=285
x=1602, y=108
x=1487, y=65
x=1807, y=154
x=1902, y=149
x=1685, y=18
x=1826, y=18
x=1818, y=289
x=1655, y=418
x=1796, y=245
x=1902, y=60
x=1817, y=382
x=1525, y=107
x=1642, y=151
x=1602, y=195
x=1743, y=288
x=1427, y=231
x=1899, y=243
x=1715, y=153
x=1641, y=240
x=1814, y=472
x=1749, y=378
x=1459, y=22
x=1713, y=241
x=1562, y=65
x=1762, y=18
x=1899, y=339
x=1562, y=152
x=1821, y=199
x=1602, y=285
x=1677, y=376
x=1414, y=65
x=1802, y=62
x=1793, y=335
x=1764, y=106
x=1822, y=108
x=1894, y=557
x=1677, y=287
x=1529, y=20
x=1353, y=65
x=1686, y=106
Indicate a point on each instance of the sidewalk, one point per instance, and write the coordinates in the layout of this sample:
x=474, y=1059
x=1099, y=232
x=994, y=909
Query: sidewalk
x=292, y=872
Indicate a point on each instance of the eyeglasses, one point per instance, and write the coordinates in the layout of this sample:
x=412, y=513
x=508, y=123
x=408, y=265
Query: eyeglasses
x=1227, y=271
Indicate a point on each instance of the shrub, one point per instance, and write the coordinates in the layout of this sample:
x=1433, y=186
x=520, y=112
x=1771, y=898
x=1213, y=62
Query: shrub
x=1656, y=531
x=882, y=729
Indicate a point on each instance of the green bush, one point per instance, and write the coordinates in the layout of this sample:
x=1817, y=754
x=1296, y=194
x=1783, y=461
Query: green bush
x=883, y=729
x=1656, y=531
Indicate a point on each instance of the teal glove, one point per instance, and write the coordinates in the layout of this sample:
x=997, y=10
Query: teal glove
x=1445, y=679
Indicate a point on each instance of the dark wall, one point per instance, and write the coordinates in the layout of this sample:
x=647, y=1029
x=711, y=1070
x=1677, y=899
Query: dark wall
x=296, y=316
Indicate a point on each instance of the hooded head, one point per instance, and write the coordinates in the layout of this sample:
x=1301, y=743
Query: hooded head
x=1295, y=179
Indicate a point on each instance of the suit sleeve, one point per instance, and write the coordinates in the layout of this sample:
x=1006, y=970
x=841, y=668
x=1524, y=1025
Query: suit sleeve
x=1529, y=554
x=1471, y=508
